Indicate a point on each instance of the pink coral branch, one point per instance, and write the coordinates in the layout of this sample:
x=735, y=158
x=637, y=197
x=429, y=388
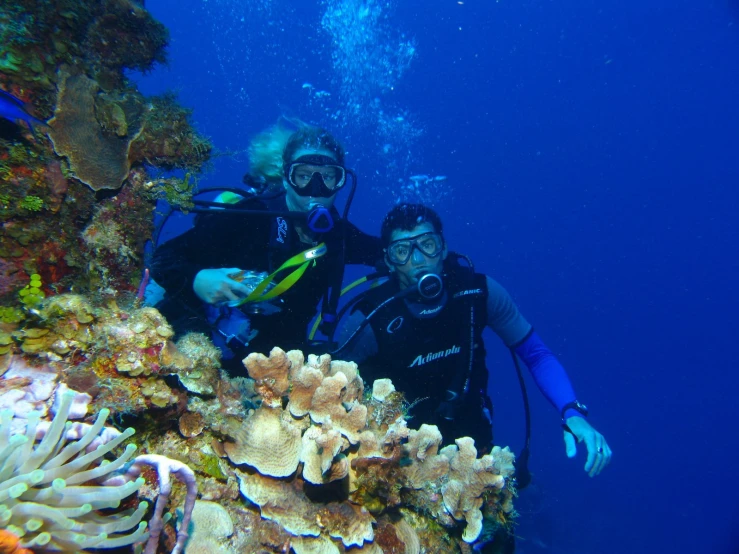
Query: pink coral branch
x=142, y=286
x=166, y=466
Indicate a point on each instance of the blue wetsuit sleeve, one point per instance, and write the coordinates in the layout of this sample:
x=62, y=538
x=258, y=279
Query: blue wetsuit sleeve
x=548, y=373
x=506, y=320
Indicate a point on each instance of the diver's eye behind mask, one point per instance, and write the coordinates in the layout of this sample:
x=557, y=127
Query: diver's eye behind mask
x=315, y=175
x=400, y=251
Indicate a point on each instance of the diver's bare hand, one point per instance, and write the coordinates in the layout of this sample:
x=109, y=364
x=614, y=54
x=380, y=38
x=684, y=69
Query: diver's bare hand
x=599, y=453
x=214, y=285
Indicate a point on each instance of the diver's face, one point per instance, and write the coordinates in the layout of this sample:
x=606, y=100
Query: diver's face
x=419, y=263
x=297, y=203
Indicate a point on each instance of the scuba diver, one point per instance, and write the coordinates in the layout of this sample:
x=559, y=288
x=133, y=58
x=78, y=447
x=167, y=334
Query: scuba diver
x=260, y=264
x=423, y=327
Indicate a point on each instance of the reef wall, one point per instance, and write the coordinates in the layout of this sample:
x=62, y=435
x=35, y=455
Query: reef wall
x=78, y=186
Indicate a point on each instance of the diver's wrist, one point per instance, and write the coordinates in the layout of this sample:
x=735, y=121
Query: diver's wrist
x=573, y=409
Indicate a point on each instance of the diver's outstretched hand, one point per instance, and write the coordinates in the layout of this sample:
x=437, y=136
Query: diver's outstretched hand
x=599, y=453
x=214, y=285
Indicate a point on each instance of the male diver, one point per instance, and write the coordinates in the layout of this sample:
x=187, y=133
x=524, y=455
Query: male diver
x=262, y=264
x=423, y=329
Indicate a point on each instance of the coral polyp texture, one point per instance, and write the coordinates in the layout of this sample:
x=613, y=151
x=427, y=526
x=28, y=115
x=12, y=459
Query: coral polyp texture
x=315, y=427
x=52, y=488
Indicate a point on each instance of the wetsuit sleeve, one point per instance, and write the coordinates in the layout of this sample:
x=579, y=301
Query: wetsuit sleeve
x=550, y=376
x=517, y=333
x=360, y=347
x=217, y=240
x=503, y=316
x=362, y=248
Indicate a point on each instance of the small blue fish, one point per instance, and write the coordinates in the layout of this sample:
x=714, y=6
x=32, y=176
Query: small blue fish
x=13, y=109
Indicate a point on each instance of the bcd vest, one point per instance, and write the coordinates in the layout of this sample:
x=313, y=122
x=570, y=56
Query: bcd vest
x=426, y=356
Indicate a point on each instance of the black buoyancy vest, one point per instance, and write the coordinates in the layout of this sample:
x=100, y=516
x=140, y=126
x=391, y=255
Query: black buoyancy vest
x=426, y=357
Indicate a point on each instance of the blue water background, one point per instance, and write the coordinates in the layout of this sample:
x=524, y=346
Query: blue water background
x=592, y=158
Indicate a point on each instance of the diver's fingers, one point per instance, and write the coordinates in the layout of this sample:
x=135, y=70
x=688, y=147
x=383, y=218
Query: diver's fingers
x=598, y=460
x=226, y=293
x=603, y=455
x=592, y=455
x=570, y=444
x=238, y=289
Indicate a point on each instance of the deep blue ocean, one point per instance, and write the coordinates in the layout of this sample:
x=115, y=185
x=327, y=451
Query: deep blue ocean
x=591, y=156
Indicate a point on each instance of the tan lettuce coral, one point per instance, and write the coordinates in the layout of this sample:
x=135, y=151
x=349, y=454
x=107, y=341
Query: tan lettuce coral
x=318, y=451
x=211, y=525
x=287, y=504
x=315, y=426
x=468, y=479
x=271, y=443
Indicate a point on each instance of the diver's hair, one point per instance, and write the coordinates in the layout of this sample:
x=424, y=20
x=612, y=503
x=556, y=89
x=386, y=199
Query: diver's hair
x=265, y=153
x=407, y=217
x=313, y=138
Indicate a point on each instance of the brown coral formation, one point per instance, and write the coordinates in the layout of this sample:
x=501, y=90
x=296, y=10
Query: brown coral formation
x=97, y=158
x=314, y=429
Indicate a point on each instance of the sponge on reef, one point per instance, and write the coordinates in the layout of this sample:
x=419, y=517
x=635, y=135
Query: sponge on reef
x=97, y=158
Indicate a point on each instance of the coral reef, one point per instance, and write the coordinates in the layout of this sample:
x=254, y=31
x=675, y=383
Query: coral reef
x=299, y=456
x=314, y=413
x=67, y=60
x=97, y=158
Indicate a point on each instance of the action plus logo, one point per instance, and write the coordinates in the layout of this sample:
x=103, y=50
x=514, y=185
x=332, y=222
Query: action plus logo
x=431, y=356
x=281, y=229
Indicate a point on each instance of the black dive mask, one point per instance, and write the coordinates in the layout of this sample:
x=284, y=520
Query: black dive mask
x=315, y=175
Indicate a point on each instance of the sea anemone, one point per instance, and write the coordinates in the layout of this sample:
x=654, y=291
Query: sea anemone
x=51, y=487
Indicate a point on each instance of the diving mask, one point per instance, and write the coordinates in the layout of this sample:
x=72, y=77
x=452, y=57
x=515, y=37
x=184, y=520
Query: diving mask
x=315, y=175
x=429, y=244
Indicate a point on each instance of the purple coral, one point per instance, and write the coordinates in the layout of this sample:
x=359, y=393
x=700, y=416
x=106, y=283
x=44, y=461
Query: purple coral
x=165, y=467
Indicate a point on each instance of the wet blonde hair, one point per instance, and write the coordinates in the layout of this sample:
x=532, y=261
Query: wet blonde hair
x=265, y=152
